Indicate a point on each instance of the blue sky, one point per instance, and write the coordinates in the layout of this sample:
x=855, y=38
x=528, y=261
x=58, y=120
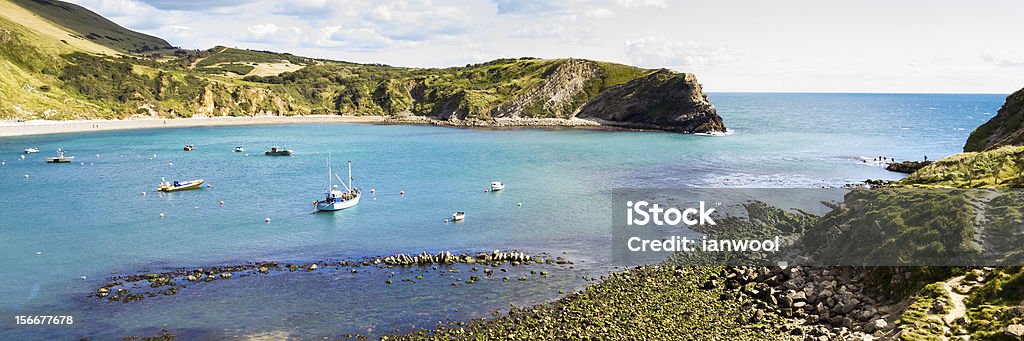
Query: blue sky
x=806, y=45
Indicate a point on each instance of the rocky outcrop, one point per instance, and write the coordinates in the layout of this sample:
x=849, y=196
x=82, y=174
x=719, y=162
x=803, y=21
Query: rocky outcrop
x=663, y=100
x=907, y=167
x=1006, y=128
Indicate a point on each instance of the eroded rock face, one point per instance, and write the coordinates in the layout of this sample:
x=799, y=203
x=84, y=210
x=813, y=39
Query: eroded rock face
x=663, y=100
x=1006, y=128
x=559, y=95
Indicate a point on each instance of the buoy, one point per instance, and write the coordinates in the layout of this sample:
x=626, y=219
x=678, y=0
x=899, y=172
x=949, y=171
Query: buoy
x=373, y=190
x=170, y=164
x=22, y=157
x=82, y=163
x=485, y=190
x=3, y=163
x=401, y=193
x=161, y=215
x=150, y=158
x=446, y=221
x=196, y=207
x=97, y=156
x=83, y=278
x=209, y=186
x=91, y=163
x=267, y=220
x=39, y=253
x=520, y=204
x=154, y=155
x=222, y=202
x=26, y=176
x=143, y=193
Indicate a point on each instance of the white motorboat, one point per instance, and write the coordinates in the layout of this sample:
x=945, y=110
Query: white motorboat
x=239, y=149
x=458, y=216
x=31, y=150
x=497, y=186
x=335, y=199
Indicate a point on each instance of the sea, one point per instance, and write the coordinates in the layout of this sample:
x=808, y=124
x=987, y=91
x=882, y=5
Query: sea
x=66, y=229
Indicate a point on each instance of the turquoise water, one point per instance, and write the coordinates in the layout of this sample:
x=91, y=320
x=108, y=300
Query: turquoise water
x=91, y=220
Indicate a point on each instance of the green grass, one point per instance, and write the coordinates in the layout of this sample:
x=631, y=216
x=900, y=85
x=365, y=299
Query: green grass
x=919, y=321
x=653, y=302
x=1001, y=167
x=94, y=27
x=223, y=55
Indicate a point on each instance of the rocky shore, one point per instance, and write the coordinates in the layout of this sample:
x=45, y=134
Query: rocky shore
x=130, y=288
x=906, y=167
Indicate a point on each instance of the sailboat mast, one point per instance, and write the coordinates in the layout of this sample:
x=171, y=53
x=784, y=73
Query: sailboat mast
x=330, y=172
x=350, y=174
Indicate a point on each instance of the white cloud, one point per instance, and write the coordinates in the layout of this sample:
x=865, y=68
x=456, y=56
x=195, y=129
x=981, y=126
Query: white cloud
x=641, y=3
x=271, y=34
x=600, y=12
x=1015, y=60
x=684, y=56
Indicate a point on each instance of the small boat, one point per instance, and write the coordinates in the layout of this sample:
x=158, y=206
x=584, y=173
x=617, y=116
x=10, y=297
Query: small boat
x=458, y=216
x=497, y=186
x=179, y=185
x=335, y=199
x=31, y=150
x=278, y=151
x=189, y=147
x=239, y=149
x=60, y=158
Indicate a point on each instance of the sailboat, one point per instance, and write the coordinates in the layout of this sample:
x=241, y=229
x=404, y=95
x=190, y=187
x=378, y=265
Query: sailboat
x=335, y=199
x=60, y=158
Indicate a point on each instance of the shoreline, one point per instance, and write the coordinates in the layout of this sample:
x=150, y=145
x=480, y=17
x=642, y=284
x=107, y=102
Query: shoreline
x=43, y=127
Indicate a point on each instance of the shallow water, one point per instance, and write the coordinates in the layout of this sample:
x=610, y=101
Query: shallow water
x=91, y=220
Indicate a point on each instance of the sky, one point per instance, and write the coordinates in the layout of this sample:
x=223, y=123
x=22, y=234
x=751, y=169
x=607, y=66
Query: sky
x=765, y=46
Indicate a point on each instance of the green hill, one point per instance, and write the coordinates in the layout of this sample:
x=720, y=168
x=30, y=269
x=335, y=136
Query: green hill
x=62, y=61
x=88, y=25
x=1006, y=128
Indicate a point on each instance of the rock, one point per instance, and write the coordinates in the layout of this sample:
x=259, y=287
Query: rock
x=849, y=306
x=798, y=296
x=1014, y=330
x=878, y=324
x=664, y=100
x=785, y=302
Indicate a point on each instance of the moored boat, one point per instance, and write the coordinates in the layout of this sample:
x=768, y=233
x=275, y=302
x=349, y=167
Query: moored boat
x=31, y=150
x=60, y=158
x=335, y=199
x=239, y=149
x=179, y=185
x=189, y=147
x=458, y=216
x=497, y=186
x=278, y=151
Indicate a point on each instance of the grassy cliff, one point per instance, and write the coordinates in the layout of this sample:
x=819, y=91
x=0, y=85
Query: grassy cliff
x=62, y=61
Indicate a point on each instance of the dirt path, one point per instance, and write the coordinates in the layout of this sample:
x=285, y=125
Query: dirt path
x=958, y=308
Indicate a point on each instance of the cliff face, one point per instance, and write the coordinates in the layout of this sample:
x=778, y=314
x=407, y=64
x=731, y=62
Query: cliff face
x=558, y=95
x=663, y=100
x=1005, y=129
